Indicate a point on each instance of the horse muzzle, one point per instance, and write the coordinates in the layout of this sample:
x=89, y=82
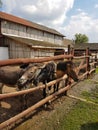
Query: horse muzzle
x=21, y=82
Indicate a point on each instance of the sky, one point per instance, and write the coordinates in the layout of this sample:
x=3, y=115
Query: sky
x=66, y=16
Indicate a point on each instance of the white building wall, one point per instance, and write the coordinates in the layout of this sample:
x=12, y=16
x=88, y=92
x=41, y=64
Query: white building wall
x=4, y=53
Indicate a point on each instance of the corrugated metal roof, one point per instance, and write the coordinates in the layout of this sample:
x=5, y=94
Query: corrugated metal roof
x=22, y=21
x=36, y=43
x=82, y=46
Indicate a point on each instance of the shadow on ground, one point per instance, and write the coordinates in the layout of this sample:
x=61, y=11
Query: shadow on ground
x=90, y=126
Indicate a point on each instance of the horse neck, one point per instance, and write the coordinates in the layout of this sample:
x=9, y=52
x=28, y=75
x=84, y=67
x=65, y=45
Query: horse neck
x=53, y=72
x=21, y=72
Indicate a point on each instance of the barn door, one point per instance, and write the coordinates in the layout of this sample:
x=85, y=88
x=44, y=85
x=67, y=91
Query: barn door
x=4, y=53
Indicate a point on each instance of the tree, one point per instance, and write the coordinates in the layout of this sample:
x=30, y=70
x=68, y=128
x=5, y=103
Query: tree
x=81, y=38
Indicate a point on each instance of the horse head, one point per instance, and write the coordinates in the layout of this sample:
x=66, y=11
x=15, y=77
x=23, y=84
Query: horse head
x=30, y=73
x=46, y=74
x=66, y=67
x=70, y=71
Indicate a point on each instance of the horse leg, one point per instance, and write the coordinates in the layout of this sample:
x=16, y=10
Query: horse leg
x=66, y=83
x=21, y=99
x=44, y=95
x=49, y=87
x=1, y=87
x=44, y=89
x=21, y=102
x=44, y=92
x=25, y=101
x=57, y=87
x=54, y=87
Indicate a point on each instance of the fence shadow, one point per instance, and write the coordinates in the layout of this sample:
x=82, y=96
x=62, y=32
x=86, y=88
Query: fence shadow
x=90, y=126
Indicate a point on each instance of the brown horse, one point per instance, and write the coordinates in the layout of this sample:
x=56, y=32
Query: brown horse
x=53, y=71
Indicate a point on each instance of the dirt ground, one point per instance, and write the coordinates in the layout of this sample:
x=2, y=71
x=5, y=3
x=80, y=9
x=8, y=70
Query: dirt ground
x=52, y=114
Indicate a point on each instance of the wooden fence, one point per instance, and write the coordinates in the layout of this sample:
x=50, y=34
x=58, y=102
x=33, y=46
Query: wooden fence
x=85, y=63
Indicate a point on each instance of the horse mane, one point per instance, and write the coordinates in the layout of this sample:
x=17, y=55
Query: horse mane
x=62, y=65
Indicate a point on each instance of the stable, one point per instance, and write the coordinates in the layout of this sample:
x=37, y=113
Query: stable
x=80, y=49
x=26, y=39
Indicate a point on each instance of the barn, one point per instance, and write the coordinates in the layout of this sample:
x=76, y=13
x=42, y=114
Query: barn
x=80, y=49
x=20, y=38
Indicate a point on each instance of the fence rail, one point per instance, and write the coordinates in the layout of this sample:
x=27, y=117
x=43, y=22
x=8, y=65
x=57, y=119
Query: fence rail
x=87, y=65
x=33, y=60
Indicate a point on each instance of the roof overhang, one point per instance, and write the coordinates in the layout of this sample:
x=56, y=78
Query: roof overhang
x=34, y=42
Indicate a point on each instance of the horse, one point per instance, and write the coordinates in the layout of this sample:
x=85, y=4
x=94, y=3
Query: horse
x=53, y=71
x=12, y=75
x=46, y=74
x=25, y=81
x=9, y=75
x=30, y=74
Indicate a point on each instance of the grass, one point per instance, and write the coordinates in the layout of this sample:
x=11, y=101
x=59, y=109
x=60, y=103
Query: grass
x=97, y=70
x=84, y=116
x=91, y=96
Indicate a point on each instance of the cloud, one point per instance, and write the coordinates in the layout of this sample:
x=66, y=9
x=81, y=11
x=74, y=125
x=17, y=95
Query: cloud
x=53, y=13
x=82, y=23
x=79, y=10
x=8, y=5
x=96, y=6
x=47, y=12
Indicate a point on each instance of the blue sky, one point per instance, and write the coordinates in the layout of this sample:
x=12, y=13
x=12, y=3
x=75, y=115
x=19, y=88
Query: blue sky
x=66, y=16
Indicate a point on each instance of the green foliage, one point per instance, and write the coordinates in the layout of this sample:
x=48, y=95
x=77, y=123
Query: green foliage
x=81, y=38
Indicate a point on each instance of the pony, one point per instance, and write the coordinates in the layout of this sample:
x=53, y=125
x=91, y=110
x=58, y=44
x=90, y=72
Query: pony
x=9, y=75
x=30, y=74
x=53, y=71
x=12, y=76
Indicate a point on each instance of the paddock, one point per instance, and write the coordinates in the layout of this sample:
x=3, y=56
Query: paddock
x=9, y=122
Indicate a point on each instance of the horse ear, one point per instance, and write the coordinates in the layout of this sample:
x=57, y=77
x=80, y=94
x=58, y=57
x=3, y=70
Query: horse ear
x=69, y=63
x=25, y=65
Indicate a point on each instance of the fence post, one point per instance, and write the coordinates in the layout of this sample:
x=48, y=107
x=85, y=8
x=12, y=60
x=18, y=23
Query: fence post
x=95, y=61
x=87, y=62
x=68, y=49
x=72, y=51
x=67, y=82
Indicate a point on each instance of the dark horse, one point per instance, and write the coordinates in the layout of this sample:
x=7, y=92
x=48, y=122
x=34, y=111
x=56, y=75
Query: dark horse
x=53, y=71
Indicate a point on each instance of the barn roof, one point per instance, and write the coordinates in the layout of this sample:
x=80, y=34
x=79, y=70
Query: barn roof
x=83, y=46
x=25, y=22
x=35, y=43
x=67, y=42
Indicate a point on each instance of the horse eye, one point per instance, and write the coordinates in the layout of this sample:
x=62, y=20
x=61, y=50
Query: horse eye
x=44, y=70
